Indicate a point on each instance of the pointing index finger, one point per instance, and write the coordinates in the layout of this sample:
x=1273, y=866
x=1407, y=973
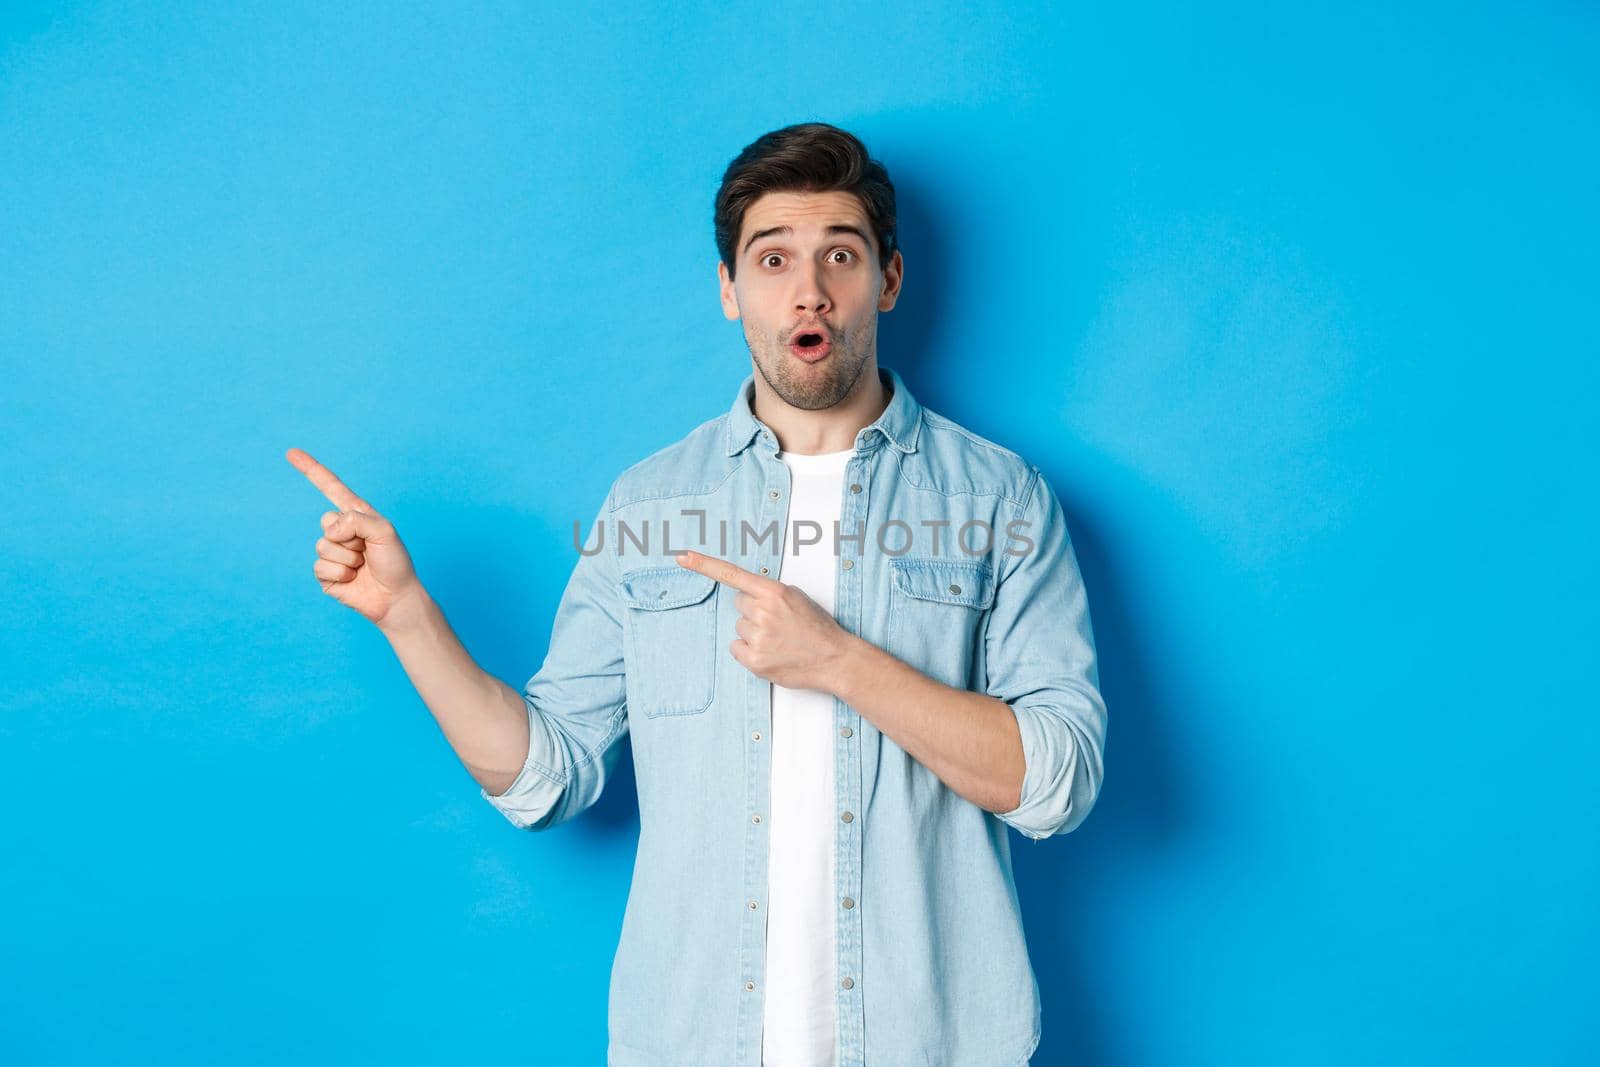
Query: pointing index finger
x=325, y=480
x=729, y=574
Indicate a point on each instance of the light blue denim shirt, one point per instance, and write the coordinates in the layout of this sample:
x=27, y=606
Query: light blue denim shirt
x=954, y=556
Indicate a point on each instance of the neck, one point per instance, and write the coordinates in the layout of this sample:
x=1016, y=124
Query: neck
x=830, y=429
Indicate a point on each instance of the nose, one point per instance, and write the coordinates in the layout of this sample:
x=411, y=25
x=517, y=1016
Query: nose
x=809, y=296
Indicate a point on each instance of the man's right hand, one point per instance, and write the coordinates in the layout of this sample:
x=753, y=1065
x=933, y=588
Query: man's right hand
x=361, y=561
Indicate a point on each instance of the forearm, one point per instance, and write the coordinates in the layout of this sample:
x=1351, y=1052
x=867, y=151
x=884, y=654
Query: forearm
x=969, y=740
x=485, y=720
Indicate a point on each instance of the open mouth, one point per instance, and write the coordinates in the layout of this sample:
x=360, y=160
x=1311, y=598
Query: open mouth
x=810, y=346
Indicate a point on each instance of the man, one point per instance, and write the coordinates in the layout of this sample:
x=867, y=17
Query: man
x=875, y=655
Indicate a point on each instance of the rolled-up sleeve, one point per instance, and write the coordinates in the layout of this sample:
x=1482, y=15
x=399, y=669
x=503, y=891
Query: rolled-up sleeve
x=1040, y=652
x=576, y=702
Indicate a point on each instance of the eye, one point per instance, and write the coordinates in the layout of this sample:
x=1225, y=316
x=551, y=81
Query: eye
x=847, y=252
x=770, y=256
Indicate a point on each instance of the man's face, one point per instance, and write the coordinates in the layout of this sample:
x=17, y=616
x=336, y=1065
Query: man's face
x=807, y=265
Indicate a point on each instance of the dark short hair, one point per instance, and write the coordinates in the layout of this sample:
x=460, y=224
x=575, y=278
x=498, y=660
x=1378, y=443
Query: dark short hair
x=811, y=157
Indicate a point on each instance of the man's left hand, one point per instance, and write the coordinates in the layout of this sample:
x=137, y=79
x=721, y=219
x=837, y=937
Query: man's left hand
x=784, y=635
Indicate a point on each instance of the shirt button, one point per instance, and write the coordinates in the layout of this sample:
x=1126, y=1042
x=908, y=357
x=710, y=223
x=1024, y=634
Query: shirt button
x=846, y=732
x=756, y=736
x=755, y=818
x=848, y=983
x=752, y=985
x=854, y=488
x=847, y=817
x=955, y=589
x=763, y=570
x=773, y=493
x=849, y=563
x=848, y=903
x=752, y=905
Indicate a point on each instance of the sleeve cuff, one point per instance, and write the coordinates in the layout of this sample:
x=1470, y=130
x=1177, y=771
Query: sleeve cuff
x=530, y=799
x=1047, y=750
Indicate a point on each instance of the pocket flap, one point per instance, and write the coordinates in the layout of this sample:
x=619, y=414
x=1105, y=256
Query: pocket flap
x=948, y=581
x=658, y=588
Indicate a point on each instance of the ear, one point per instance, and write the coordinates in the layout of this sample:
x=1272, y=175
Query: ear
x=893, y=275
x=730, y=298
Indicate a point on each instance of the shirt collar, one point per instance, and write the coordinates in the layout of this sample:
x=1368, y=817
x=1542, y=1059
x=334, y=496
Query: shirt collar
x=900, y=422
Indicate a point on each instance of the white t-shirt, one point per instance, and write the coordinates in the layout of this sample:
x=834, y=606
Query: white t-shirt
x=799, y=1024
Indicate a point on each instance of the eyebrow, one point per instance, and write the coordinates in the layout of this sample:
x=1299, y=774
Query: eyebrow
x=835, y=228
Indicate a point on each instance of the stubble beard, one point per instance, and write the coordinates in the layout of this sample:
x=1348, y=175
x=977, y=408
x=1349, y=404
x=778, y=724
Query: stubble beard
x=810, y=387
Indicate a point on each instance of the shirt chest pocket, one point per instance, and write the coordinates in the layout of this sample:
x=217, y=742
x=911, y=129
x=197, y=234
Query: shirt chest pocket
x=936, y=612
x=670, y=644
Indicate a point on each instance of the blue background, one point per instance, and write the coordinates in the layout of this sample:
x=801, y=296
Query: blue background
x=1296, y=308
